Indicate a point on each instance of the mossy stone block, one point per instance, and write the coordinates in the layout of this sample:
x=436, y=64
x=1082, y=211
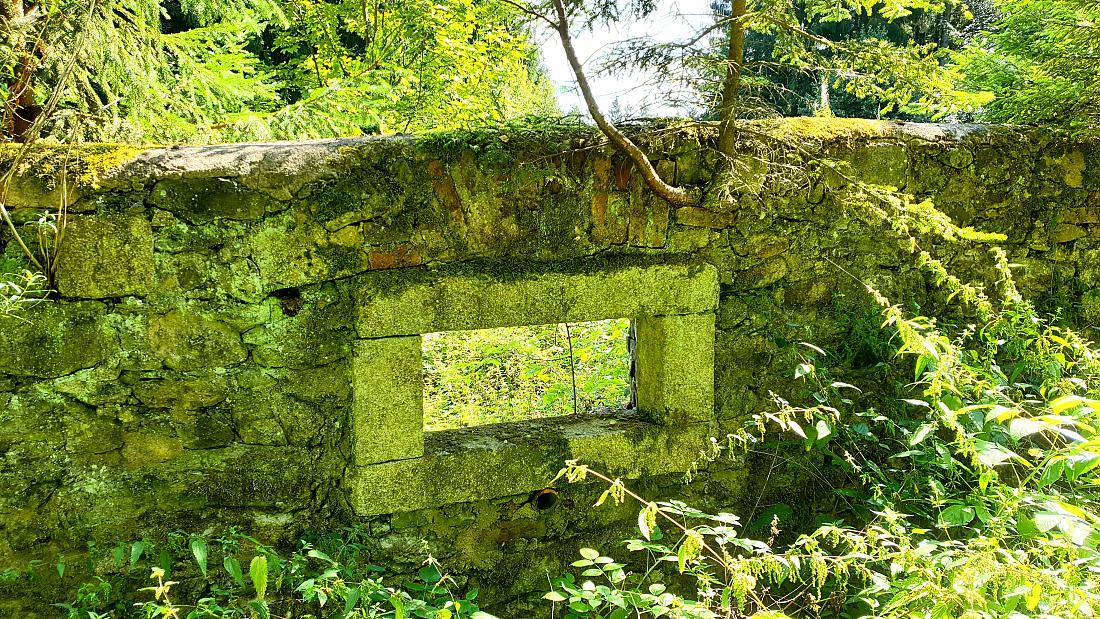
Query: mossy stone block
x=387, y=381
x=1090, y=307
x=430, y=302
x=675, y=368
x=104, y=257
x=882, y=164
x=291, y=249
x=52, y=339
x=189, y=341
x=311, y=331
x=463, y=466
x=388, y=487
x=199, y=200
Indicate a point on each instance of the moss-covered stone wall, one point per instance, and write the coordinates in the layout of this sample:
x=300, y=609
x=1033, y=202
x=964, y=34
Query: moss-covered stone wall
x=234, y=340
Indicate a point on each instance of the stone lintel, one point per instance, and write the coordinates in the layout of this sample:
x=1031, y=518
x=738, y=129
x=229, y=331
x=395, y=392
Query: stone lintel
x=387, y=384
x=675, y=368
x=407, y=303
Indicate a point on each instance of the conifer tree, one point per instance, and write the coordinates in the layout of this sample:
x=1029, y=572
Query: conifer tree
x=896, y=75
x=1038, y=63
x=201, y=71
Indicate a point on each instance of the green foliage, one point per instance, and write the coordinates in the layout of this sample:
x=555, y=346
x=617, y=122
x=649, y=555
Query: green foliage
x=1039, y=64
x=499, y=375
x=17, y=290
x=327, y=577
x=870, y=58
x=972, y=495
x=152, y=72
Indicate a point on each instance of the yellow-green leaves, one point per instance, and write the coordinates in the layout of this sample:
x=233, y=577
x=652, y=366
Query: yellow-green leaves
x=257, y=572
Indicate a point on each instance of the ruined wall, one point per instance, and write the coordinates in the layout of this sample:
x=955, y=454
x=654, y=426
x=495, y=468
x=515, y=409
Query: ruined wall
x=236, y=338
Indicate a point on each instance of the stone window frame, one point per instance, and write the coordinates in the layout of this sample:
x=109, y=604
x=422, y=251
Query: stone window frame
x=398, y=466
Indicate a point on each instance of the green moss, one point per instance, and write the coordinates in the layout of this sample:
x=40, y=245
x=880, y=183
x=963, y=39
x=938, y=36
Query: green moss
x=826, y=129
x=82, y=165
x=521, y=139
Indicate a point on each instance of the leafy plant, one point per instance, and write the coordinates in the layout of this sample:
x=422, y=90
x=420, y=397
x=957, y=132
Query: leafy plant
x=1038, y=65
x=326, y=577
x=20, y=290
x=151, y=71
x=972, y=495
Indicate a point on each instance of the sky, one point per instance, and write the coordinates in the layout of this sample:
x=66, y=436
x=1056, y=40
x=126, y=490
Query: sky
x=673, y=20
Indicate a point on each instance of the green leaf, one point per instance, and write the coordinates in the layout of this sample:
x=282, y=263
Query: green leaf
x=1027, y=527
x=398, y=607
x=554, y=596
x=200, y=551
x=590, y=554
x=136, y=550
x=922, y=432
x=1052, y=472
x=647, y=520
x=233, y=567
x=1069, y=402
x=260, y=608
x=803, y=369
x=430, y=574
x=351, y=601
x=1045, y=521
x=956, y=516
x=991, y=454
x=922, y=363
x=257, y=571
x=1021, y=427
x=1081, y=463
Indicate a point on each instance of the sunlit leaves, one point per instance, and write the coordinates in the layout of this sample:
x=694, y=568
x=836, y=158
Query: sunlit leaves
x=496, y=375
x=285, y=69
x=1038, y=66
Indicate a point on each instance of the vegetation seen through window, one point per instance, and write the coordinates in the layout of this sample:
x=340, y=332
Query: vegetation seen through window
x=510, y=374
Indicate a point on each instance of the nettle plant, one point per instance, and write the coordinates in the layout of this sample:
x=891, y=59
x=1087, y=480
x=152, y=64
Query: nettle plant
x=327, y=577
x=971, y=494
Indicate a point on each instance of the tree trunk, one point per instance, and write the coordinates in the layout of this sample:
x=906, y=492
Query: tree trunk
x=21, y=108
x=673, y=195
x=731, y=85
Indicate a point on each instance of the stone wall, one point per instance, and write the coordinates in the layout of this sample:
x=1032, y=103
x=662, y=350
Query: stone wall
x=236, y=338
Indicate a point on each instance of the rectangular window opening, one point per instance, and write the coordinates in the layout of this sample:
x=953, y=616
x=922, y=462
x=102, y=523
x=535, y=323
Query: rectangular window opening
x=489, y=376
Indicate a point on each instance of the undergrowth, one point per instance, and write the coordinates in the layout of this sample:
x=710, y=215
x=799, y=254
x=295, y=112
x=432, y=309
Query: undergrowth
x=500, y=375
x=972, y=497
x=235, y=576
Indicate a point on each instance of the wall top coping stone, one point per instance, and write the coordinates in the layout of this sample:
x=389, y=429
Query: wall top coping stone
x=282, y=169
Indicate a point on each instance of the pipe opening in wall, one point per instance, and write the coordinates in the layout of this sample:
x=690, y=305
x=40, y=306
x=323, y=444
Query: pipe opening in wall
x=488, y=376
